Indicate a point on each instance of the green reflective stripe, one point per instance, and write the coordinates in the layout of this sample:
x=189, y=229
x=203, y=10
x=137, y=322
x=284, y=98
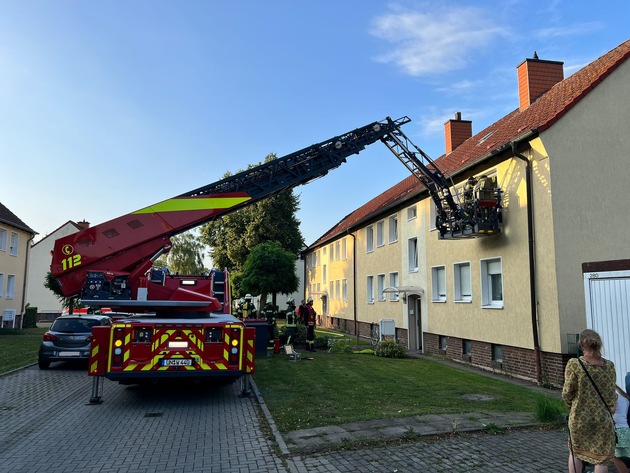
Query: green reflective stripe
x=193, y=203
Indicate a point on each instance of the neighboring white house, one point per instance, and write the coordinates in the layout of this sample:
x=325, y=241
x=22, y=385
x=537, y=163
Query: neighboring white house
x=39, y=265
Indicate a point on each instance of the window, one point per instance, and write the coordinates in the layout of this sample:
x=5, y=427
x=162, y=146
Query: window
x=3, y=239
x=380, y=233
x=380, y=286
x=438, y=286
x=497, y=353
x=332, y=290
x=393, y=229
x=442, y=343
x=412, y=213
x=463, y=285
x=10, y=286
x=324, y=274
x=332, y=252
x=492, y=283
x=344, y=250
x=413, y=255
x=393, y=282
x=1, y=284
x=467, y=348
x=337, y=252
x=344, y=290
x=432, y=215
x=324, y=251
x=318, y=258
x=337, y=289
x=370, y=289
x=369, y=237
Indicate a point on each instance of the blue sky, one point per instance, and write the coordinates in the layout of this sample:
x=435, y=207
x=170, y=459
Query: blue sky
x=107, y=107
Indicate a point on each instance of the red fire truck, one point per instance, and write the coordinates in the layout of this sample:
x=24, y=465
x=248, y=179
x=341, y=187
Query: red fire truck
x=183, y=327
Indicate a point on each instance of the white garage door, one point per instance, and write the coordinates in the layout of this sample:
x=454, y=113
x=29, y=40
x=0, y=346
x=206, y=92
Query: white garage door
x=608, y=313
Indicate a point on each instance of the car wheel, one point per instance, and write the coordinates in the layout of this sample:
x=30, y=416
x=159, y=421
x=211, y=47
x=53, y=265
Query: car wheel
x=43, y=364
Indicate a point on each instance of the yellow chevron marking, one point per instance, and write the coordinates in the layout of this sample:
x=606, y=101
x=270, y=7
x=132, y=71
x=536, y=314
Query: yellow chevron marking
x=95, y=350
x=193, y=203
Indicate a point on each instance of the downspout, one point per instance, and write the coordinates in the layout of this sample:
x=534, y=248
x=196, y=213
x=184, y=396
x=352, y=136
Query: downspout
x=28, y=252
x=354, y=283
x=532, y=276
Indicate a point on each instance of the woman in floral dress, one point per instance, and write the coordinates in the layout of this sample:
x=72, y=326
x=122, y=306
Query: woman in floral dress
x=591, y=427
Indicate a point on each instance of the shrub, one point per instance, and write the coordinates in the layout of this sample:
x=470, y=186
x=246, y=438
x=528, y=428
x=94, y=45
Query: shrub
x=30, y=318
x=551, y=411
x=339, y=346
x=390, y=349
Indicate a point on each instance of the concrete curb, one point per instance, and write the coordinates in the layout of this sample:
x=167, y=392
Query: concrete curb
x=295, y=465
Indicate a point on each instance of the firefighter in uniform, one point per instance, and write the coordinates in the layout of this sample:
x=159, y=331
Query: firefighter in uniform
x=309, y=316
x=291, y=317
x=269, y=311
x=249, y=309
x=239, y=308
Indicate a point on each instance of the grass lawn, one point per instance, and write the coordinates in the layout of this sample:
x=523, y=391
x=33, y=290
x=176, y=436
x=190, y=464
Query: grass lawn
x=339, y=388
x=18, y=348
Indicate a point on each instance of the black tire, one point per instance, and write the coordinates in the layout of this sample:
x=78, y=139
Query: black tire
x=43, y=364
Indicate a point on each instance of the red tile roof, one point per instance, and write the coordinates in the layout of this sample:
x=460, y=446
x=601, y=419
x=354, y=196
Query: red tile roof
x=8, y=217
x=539, y=116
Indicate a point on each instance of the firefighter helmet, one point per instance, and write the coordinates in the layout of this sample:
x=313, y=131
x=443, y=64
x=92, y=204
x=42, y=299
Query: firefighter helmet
x=248, y=296
x=290, y=300
x=309, y=300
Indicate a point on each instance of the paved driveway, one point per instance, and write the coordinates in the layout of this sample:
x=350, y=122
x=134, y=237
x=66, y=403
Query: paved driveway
x=48, y=425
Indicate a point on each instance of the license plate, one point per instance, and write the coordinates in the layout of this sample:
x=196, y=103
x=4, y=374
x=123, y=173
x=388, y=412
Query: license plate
x=177, y=361
x=69, y=353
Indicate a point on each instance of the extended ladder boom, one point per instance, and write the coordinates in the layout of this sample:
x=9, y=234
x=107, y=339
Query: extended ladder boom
x=128, y=244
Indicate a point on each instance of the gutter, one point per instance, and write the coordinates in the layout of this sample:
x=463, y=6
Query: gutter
x=532, y=265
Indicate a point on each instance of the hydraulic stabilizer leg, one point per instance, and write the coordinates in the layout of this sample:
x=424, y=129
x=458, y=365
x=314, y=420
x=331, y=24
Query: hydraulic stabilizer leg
x=97, y=390
x=246, y=386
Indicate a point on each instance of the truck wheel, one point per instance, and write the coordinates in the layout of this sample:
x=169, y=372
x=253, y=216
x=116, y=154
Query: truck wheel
x=43, y=364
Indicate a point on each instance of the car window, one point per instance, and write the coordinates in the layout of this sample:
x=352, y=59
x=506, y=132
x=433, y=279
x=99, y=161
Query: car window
x=77, y=325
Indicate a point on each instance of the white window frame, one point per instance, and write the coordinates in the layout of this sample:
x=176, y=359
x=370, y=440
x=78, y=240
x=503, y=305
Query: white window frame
x=332, y=252
x=338, y=289
x=1, y=285
x=380, y=286
x=412, y=213
x=324, y=274
x=10, y=286
x=380, y=233
x=344, y=249
x=438, y=284
x=492, y=283
x=412, y=249
x=393, y=282
x=344, y=290
x=393, y=228
x=331, y=289
x=337, y=251
x=4, y=238
x=369, y=238
x=462, y=282
x=370, y=289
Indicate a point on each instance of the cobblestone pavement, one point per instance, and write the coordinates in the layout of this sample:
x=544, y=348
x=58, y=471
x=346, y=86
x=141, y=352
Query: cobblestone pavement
x=528, y=450
x=48, y=425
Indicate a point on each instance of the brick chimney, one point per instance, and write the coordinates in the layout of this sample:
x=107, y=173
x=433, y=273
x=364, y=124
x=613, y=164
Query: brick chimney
x=456, y=131
x=535, y=77
x=83, y=224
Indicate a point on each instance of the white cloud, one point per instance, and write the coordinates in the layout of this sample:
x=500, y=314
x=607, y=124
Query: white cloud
x=435, y=41
x=577, y=29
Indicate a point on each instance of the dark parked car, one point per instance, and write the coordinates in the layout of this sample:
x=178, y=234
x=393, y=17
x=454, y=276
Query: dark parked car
x=69, y=338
